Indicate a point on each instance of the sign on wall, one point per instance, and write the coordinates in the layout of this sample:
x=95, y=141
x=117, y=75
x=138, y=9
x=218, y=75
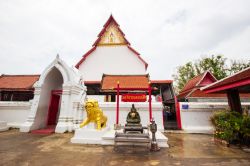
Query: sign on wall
x=134, y=97
x=185, y=106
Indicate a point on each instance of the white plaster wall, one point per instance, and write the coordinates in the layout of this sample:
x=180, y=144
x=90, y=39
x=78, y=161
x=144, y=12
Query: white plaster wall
x=109, y=109
x=111, y=60
x=3, y=126
x=196, y=119
x=53, y=81
x=14, y=113
x=99, y=98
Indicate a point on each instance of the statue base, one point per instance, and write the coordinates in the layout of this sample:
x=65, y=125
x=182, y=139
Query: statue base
x=3, y=126
x=154, y=147
x=87, y=135
x=117, y=126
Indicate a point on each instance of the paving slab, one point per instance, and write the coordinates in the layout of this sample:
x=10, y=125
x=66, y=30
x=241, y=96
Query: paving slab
x=185, y=149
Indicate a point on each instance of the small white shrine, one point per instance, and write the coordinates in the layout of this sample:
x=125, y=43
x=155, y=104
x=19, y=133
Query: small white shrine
x=57, y=91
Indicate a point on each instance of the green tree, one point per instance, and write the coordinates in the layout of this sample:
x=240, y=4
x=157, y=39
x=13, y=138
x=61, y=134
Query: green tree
x=184, y=73
x=237, y=66
x=215, y=64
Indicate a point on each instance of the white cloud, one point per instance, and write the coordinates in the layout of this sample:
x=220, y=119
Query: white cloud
x=166, y=33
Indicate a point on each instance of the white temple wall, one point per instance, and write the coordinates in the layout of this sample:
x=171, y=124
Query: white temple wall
x=53, y=81
x=195, y=116
x=111, y=60
x=99, y=98
x=195, y=119
x=14, y=113
x=109, y=109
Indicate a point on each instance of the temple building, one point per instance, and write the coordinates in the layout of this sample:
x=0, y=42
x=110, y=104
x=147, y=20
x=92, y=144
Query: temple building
x=237, y=88
x=192, y=92
x=111, y=54
x=17, y=87
x=57, y=95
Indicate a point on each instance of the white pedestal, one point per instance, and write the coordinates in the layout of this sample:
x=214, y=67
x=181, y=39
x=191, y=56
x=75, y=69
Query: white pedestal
x=89, y=135
x=161, y=139
x=3, y=126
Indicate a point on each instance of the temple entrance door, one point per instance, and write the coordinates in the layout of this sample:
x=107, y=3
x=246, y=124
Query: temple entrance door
x=53, y=108
x=169, y=111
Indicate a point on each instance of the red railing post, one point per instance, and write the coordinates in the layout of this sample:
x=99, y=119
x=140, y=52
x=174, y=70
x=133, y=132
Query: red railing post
x=117, y=102
x=150, y=100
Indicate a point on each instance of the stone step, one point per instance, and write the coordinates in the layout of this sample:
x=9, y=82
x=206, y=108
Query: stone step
x=132, y=140
x=131, y=135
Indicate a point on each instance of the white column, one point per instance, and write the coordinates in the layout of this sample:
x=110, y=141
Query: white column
x=27, y=126
x=62, y=124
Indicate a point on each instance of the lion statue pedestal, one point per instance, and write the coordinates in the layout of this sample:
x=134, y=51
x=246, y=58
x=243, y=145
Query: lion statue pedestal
x=88, y=136
x=93, y=127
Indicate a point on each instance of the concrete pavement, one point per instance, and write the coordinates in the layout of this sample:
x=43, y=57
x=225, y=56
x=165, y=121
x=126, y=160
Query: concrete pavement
x=185, y=149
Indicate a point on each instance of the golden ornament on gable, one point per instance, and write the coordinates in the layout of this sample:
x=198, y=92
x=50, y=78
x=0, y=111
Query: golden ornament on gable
x=112, y=36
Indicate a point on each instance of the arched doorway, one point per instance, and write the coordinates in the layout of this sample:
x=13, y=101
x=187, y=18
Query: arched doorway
x=50, y=102
x=52, y=107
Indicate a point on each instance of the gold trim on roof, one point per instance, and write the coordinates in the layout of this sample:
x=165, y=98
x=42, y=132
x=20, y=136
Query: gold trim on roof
x=112, y=36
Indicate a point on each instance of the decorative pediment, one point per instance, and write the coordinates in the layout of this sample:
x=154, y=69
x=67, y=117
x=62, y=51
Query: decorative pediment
x=111, y=34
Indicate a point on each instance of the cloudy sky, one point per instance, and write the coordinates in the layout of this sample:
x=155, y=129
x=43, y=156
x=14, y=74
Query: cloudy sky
x=167, y=33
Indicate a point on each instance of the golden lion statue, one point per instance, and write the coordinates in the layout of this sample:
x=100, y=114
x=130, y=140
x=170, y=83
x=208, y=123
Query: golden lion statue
x=94, y=114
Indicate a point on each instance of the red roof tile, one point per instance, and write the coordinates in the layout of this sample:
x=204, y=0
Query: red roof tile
x=17, y=82
x=239, y=79
x=183, y=94
x=109, y=82
x=195, y=83
x=192, y=83
x=199, y=93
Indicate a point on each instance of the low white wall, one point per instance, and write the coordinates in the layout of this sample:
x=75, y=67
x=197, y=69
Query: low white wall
x=195, y=116
x=14, y=113
x=99, y=98
x=109, y=109
x=3, y=126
